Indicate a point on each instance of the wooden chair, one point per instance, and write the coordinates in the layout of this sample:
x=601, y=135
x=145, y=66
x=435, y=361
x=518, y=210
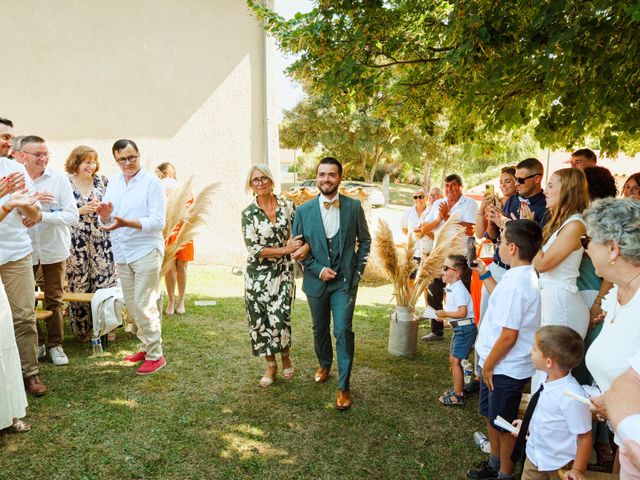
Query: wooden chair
x=72, y=297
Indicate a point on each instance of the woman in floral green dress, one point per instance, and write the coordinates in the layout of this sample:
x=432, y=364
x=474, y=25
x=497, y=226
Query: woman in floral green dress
x=269, y=278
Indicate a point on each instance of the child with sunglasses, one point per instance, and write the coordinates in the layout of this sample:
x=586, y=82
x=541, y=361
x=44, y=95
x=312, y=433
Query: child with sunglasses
x=458, y=310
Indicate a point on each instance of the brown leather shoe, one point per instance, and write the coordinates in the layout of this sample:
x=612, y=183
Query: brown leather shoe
x=322, y=375
x=344, y=400
x=34, y=386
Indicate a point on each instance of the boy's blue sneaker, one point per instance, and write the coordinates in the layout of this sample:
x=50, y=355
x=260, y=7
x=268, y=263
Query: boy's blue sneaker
x=483, y=472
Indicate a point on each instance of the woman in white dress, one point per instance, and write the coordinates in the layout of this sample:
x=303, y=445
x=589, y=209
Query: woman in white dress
x=558, y=261
x=13, y=399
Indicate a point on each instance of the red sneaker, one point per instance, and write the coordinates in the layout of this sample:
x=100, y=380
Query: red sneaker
x=151, y=366
x=136, y=357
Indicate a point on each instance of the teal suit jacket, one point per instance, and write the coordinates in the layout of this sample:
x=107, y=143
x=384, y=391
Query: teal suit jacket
x=355, y=243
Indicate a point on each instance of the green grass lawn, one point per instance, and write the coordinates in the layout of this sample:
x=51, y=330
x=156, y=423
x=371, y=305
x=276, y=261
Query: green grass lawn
x=203, y=416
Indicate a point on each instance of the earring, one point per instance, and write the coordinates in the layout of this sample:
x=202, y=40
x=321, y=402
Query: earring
x=612, y=261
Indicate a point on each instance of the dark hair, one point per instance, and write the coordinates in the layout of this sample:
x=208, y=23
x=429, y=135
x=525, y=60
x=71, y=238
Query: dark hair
x=122, y=144
x=510, y=170
x=6, y=121
x=460, y=264
x=330, y=161
x=586, y=153
x=453, y=178
x=600, y=182
x=561, y=344
x=635, y=177
x=531, y=164
x=527, y=235
x=30, y=139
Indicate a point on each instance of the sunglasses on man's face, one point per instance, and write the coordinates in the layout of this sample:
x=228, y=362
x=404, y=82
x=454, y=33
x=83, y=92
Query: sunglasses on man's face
x=416, y=197
x=524, y=179
x=585, y=240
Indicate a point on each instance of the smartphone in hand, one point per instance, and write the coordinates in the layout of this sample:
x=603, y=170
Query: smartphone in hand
x=471, y=252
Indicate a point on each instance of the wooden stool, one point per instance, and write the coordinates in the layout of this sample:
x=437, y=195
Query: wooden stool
x=43, y=314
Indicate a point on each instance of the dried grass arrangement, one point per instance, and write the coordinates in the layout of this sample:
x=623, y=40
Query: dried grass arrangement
x=184, y=217
x=398, y=266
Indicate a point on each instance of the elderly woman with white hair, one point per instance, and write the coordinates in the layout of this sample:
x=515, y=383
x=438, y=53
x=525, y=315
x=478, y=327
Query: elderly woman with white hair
x=269, y=277
x=613, y=244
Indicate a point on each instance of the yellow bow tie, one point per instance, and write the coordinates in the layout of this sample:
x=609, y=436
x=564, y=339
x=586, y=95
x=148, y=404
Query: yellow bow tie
x=334, y=203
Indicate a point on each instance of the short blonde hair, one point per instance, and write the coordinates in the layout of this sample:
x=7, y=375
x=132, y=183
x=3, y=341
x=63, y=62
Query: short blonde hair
x=167, y=170
x=262, y=168
x=79, y=155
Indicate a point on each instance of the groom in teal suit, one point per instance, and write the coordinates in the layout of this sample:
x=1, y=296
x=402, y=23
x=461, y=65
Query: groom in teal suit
x=336, y=230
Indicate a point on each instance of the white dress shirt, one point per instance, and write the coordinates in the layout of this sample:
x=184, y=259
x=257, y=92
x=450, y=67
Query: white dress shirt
x=556, y=423
x=513, y=304
x=465, y=207
x=14, y=240
x=142, y=199
x=330, y=216
x=51, y=238
x=457, y=296
x=411, y=221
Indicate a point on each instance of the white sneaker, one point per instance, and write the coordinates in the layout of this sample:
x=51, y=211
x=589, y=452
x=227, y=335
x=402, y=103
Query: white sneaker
x=58, y=357
x=42, y=351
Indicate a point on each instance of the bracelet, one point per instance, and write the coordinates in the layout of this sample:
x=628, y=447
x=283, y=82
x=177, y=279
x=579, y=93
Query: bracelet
x=8, y=210
x=486, y=275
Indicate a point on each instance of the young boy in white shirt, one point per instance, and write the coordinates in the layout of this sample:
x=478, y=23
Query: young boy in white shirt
x=458, y=310
x=505, y=341
x=560, y=428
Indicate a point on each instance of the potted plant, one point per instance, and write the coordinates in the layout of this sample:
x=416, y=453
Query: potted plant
x=398, y=265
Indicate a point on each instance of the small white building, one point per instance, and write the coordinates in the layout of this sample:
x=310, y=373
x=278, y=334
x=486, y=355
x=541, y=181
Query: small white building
x=190, y=82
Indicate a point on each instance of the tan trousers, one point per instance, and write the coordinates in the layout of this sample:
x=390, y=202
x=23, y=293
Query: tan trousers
x=531, y=472
x=141, y=289
x=53, y=275
x=19, y=285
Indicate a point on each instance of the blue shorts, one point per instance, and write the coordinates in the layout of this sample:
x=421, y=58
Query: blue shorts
x=503, y=400
x=462, y=341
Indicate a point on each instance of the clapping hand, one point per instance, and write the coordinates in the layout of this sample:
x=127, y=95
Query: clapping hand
x=90, y=207
x=12, y=183
x=21, y=199
x=444, y=211
x=525, y=212
x=104, y=210
x=46, y=197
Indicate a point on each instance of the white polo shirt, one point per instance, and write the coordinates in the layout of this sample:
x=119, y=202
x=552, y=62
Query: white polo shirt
x=556, y=423
x=14, y=240
x=142, y=199
x=465, y=207
x=457, y=295
x=514, y=304
x=411, y=221
x=51, y=238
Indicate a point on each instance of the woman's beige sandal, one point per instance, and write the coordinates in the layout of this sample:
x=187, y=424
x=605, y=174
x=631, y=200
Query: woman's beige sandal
x=268, y=381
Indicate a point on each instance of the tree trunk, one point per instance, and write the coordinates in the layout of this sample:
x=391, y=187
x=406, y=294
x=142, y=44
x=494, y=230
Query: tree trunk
x=426, y=181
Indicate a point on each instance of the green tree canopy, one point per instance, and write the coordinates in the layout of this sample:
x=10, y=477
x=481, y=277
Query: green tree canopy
x=569, y=68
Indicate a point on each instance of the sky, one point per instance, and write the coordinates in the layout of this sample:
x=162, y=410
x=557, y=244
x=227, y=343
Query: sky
x=289, y=93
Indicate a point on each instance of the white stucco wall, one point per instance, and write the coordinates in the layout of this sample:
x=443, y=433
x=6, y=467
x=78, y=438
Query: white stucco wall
x=185, y=80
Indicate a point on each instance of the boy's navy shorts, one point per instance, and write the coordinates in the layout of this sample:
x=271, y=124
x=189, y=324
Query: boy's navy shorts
x=503, y=400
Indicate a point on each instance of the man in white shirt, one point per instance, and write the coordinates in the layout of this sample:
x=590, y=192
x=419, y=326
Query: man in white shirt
x=454, y=202
x=133, y=209
x=15, y=265
x=50, y=239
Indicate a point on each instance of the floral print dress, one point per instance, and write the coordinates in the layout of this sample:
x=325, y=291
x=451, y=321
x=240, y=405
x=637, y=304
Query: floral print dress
x=269, y=282
x=90, y=265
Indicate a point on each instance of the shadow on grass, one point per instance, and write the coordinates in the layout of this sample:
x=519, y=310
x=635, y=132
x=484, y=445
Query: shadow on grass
x=203, y=416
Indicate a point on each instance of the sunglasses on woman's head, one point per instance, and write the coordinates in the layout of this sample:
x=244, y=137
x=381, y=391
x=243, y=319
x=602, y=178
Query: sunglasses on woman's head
x=584, y=240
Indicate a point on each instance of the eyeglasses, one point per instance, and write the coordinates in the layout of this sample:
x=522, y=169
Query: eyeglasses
x=125, y=160
x=37, y=155
x=522, y=180
x=446, y=268
x=416, y=197
x=259, y=180
x=585, y=240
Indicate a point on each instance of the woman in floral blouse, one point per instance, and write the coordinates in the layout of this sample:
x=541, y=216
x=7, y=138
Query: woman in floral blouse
x=269, y=278
x=90, y=265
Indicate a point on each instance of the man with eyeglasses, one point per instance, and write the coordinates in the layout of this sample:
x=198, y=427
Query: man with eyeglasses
x=453, y=203
x=529, y=203
x=133, y=210
x=50, y=239
x=16, y=266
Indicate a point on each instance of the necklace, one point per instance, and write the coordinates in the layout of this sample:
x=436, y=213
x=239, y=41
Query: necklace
x=619, y=304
